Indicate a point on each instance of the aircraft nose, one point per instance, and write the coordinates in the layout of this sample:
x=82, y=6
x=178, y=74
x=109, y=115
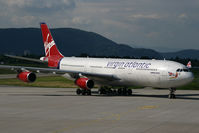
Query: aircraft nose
x=189, y=77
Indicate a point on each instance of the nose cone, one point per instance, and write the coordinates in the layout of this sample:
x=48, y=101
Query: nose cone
x=189, y=77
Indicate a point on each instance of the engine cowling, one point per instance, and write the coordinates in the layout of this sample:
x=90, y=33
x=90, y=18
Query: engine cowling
x=84, y=83
x=27, y=76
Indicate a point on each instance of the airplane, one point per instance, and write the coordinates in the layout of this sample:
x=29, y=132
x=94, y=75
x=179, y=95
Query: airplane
x=106, y=72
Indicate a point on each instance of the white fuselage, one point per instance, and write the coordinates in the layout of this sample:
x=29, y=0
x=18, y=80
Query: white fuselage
x=132, y=72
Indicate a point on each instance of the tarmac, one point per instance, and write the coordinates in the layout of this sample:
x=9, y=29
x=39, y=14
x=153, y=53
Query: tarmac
x=60, y=110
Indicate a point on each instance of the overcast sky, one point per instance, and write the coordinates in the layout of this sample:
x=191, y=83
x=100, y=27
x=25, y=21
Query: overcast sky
x=158, y=24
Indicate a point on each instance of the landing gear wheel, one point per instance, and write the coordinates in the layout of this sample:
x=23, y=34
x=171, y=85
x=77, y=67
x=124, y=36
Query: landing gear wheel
x=124, y=92
x=172, y=96
x=119, y=91
x=78, y=91
x=89, y=92
x=172, y=93
x=102, y=91
x=129, y=92
x=109, y=92
x=83, y=92
x=114, y=92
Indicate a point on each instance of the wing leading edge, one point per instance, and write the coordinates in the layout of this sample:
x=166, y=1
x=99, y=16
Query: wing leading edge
x=58, y=71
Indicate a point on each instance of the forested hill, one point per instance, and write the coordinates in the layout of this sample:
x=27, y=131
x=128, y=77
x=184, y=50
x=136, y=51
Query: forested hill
x=74, y=42
x=71, y=42
x=189, y=53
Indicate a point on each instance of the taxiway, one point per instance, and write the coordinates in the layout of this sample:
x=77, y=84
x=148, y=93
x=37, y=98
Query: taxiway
x=60, y=110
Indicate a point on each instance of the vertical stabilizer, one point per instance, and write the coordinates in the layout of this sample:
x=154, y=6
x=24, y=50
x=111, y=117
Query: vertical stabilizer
x=52, y=53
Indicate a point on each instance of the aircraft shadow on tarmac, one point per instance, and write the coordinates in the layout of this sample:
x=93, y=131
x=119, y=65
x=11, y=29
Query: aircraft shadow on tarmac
x=178, y=96
x=95, y=94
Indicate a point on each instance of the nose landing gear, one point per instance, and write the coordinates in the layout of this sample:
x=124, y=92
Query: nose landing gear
x=172, y=93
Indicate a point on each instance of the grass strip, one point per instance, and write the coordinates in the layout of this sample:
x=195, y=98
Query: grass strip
x=50, y=81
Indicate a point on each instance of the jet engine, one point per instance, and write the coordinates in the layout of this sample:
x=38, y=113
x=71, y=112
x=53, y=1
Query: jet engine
x=27, y=76
x=84, y=83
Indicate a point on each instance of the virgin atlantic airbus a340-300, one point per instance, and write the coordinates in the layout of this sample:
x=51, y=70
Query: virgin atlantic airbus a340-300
x=106, y=72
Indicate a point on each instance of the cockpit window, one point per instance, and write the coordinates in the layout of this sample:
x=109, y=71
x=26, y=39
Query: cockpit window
x=186, y=70
x=183, y=70
x=178, y=70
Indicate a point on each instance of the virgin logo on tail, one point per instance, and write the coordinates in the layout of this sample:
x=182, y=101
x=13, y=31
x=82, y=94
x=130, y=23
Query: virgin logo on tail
x=53, y=55
x=48, y=45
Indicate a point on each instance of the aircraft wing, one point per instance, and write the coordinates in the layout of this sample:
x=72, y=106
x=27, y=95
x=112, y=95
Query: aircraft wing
x=58, y=71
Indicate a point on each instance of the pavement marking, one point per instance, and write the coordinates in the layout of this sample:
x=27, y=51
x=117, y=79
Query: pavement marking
x=148, y=107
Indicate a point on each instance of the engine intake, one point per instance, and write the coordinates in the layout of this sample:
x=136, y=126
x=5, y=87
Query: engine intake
x=27, y=76
x=84, y=83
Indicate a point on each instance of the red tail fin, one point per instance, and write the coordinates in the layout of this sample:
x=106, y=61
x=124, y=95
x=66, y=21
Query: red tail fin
x=52, y=53
x=49, y=43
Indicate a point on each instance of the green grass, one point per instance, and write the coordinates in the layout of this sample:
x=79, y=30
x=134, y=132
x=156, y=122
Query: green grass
x=51, y=81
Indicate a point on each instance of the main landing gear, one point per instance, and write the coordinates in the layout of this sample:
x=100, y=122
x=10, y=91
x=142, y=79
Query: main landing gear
x=172, y=93
x=83, y=92
x=106, y=91
x=110, y=91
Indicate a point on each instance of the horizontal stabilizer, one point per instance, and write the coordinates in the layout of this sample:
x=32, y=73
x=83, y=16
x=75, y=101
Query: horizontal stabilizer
x=25, y=58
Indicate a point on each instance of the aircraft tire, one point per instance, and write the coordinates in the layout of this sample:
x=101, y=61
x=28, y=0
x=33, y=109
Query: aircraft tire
x=89, y=92
x=78, y=91
x=129, y=92
x=109, y=92
x=102, y=91
x=124, y=92
x=172, y=96
x=119, y=91
x=84, y=92
x=114, y=92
